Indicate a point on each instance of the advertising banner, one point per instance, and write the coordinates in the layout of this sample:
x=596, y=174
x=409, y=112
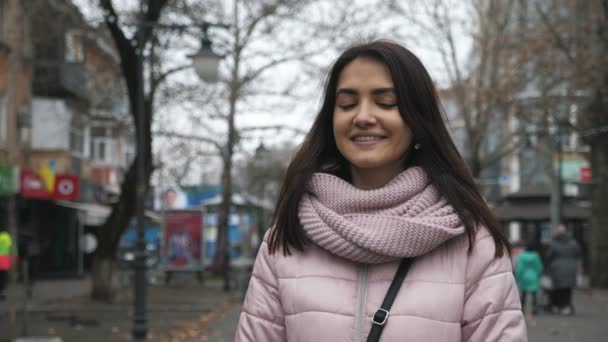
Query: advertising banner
x=585, y=174
x=65, y=187
x=182, y=240
x=32, y=186
x=170, y=198
x=240, y=228
x=573, y=166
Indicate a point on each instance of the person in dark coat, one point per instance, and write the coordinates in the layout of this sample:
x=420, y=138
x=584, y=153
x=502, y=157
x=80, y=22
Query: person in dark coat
x=563, y=255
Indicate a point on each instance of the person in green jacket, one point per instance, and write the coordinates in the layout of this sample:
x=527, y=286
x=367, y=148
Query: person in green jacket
x=6, y=247
x=528, y=271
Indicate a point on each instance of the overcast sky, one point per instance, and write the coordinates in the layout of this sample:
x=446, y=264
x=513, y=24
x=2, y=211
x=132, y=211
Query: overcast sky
x=301, y=112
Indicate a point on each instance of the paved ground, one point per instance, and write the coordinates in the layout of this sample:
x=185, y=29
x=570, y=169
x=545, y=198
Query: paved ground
x=181, y=312
x=589, y=324
x=189, y=311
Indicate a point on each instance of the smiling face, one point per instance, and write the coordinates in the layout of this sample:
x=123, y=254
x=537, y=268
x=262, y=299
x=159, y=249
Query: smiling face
x=368, y=128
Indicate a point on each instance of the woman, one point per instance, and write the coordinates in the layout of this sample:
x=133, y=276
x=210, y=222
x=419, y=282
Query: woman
x=378, y=179
x=528, y=271
x=563, y=260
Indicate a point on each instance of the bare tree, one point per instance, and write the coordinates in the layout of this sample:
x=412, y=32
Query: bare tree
x=482, y=84
x=577, y=33
x=122, y=211
x=262, y=172
x=267, y=39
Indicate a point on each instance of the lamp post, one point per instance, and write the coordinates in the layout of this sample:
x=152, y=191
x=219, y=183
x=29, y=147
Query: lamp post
x=556, y=210
x=205, y=63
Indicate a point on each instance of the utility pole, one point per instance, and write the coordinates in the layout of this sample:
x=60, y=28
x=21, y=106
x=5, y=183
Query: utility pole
x=14, y=26
x=557, y=188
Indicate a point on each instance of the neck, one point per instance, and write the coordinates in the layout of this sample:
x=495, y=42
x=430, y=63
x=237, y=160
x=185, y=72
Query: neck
x=369, y=179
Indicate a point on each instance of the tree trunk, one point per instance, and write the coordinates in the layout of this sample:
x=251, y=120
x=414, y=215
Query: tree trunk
x=222, y=254
x=598, y=117
x=122, y=212
x=111, y=231
x=103, y=279
x=599, y=219
x=221, y=259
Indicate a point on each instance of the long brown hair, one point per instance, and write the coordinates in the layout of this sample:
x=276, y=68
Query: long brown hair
x=419, y=107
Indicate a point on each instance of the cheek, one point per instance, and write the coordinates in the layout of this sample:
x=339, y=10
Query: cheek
x=340, y=128
x=405, y=139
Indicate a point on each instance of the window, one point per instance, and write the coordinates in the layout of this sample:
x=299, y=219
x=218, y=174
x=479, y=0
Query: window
x=74, y=51
x=103, y=144
x=104, y=150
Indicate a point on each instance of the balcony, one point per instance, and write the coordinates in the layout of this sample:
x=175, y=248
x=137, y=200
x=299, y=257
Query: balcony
x=59, y=79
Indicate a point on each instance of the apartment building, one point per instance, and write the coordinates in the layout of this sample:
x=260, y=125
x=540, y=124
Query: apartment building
x=64, y=129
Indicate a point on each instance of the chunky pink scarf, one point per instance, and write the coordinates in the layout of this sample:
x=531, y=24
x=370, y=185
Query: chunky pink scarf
x=405, y=218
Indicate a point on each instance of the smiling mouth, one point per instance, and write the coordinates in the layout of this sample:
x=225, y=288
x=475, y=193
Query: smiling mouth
x=367, y=138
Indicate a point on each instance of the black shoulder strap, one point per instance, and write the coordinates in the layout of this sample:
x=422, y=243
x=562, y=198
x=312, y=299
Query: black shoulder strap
x=381, y=316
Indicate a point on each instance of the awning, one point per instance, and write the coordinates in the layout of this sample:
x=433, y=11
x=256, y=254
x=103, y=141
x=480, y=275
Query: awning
x=94, y=214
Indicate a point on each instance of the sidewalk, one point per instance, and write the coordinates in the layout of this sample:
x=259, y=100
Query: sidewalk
x=193, y=312
x=589, y=324
x=181, y=312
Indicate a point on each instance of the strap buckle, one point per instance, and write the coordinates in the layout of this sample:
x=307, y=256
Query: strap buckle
x=380, y=317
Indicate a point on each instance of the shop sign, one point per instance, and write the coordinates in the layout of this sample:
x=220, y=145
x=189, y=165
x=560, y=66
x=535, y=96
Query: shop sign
x=9, y=180
x=66, y=187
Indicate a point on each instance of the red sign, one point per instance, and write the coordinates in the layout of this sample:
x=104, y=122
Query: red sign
x=585, y=174
x=32, y=186
x=183, y=236
x=67, y=187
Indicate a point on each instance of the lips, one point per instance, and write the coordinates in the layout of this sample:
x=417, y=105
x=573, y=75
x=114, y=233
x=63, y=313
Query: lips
x=367, y=138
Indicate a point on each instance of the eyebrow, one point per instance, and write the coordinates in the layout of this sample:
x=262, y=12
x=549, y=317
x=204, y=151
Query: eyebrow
x=377, y=91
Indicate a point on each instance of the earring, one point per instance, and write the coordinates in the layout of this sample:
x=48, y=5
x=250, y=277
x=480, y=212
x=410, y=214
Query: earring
x=417, y=146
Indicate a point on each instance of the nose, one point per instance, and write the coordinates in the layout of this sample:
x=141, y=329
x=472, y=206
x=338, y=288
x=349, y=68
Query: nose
x=364, y=115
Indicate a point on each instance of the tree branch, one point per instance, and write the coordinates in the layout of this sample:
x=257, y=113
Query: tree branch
x=273, y=127
x=558, y=39
x=160, y=78
x=257, y=72
x=215, y=143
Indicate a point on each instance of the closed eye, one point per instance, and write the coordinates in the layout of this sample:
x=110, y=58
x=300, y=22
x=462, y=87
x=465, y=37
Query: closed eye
x=387, y=105
x=347, y=107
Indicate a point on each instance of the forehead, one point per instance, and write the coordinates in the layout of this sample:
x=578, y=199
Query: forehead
x=365, y=73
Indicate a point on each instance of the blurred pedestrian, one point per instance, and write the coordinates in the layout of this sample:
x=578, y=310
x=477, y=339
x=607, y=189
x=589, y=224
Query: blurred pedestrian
x=377, y=185
x=563, y=257
x=516, y=249
x=6, y=254
x=528, y=271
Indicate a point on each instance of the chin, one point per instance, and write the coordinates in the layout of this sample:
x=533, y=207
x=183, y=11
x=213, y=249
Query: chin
x=367, y=164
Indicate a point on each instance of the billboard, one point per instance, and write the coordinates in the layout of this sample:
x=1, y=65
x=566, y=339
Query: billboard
x=182, y=240
x=56, y=187
x=170, y=198
x=573, y=167
x=241, y=225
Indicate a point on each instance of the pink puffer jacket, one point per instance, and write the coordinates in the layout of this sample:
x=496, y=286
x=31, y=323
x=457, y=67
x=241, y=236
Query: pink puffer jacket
x=448, y=295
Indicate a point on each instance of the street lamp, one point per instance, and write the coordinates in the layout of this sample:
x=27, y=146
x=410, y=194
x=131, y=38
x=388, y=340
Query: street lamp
x=205, y=63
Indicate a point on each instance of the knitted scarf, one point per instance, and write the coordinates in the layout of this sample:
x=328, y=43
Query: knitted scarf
x=405, y=218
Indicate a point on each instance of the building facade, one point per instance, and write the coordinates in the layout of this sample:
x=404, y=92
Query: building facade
x=64, y=124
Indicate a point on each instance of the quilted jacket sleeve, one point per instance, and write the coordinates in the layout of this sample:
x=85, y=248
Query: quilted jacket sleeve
x=492, y=309
x=262, y=315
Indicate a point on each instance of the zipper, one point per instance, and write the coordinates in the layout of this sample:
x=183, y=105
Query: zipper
x=361, y=304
